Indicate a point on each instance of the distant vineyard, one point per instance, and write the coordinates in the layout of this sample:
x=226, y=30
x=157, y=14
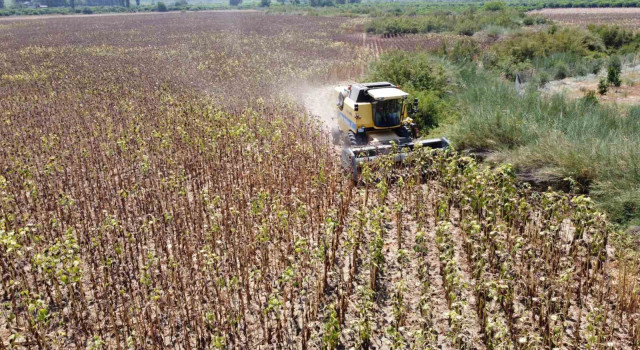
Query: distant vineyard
x=628, y=18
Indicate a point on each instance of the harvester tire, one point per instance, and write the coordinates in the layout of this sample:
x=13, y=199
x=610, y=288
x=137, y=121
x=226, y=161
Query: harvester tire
x=404, y=131
x=351, y=139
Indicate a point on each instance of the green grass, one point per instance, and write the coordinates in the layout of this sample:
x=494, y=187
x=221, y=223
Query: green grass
x=554, y=138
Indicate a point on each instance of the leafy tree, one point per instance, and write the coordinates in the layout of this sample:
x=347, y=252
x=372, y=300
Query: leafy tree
x=162, y=7
x=265, y=3
x=235, y=2
x=613, y=73
x=138, y=3
x=341, y=2
x=1, y=4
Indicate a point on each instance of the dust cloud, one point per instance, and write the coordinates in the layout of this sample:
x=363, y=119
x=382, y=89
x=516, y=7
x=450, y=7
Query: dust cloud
x=320, y=101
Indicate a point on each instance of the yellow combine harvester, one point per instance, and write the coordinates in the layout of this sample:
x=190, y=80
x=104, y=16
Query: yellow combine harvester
x=371, y=117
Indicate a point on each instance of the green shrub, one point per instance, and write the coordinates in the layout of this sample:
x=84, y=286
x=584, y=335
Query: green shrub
x=494, y=6
x=603, y=86
x=417, y=70
x=265, y=3
x=561, y=52
x=614, y=70
x=464, y=51
x=562, y=71
x=465, y=22
x=615, y=37
x=161, y=7
x=595, y=66
x=321, y=3
x=543, y=78
x=87, y=11
x=590, y=97
x=466, y=27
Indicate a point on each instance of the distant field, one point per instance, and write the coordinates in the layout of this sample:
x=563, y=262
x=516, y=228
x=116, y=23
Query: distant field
x=628, y=17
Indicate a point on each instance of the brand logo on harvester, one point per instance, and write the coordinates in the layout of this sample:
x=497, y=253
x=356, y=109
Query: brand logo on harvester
x=349, y=122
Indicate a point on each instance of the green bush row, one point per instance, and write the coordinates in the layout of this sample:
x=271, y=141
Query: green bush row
x=560, y=53
x=466, y=22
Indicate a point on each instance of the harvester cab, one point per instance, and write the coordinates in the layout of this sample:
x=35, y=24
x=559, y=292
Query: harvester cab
x=371, y=118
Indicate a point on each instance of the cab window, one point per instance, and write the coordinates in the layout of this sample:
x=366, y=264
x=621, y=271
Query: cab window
x=387, y=113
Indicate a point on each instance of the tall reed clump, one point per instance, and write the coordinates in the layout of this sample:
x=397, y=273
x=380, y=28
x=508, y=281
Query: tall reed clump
x=462, y=22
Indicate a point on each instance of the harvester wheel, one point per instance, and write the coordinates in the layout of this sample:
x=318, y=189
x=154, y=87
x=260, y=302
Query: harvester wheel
x=404, y=131
x=351, y=139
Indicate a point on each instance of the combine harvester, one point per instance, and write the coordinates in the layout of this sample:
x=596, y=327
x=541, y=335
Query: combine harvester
x=371, y=117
